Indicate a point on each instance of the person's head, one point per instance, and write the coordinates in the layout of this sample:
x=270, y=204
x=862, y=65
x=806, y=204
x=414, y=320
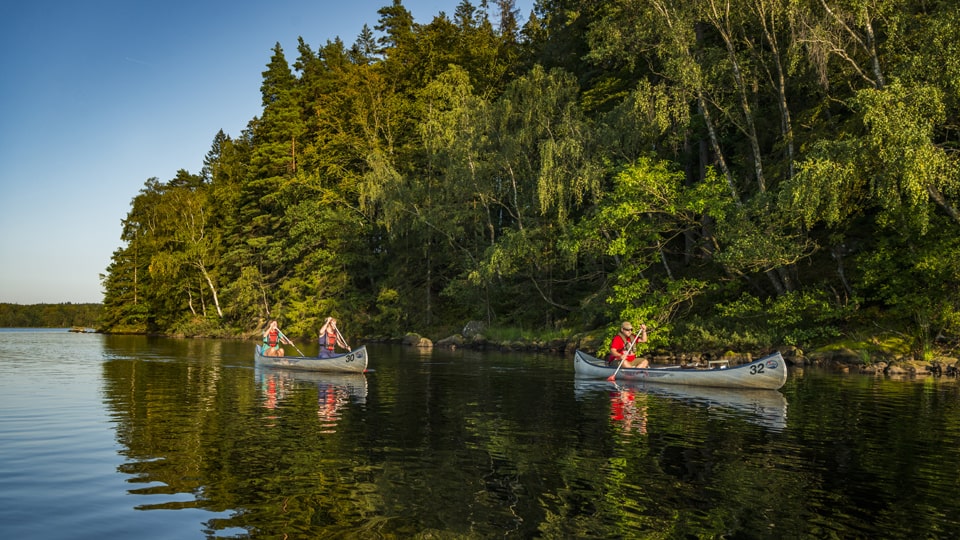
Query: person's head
x=626, y=327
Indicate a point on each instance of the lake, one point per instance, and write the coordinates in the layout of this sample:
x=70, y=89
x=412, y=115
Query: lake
x=154, y=438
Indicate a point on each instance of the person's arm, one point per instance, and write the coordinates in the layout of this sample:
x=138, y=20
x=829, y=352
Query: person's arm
x=326, y=324
x=643, y=334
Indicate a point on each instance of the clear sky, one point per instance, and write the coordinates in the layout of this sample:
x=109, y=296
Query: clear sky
x=97, y=96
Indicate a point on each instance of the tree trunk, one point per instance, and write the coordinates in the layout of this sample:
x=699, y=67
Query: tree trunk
x=213, y=289
x=786, y=126
x=715, y=144
x=722, y=24
x=942, y=202
x=837, y=253
x=706, y=222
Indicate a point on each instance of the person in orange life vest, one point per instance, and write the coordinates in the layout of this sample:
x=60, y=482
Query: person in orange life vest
x=622, y=340
x=272, y=338
x=330, y=338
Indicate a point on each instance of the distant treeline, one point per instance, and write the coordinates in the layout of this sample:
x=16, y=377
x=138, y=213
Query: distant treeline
x=49, y=315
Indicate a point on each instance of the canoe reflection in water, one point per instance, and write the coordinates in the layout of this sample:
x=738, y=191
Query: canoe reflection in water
x=766, y=408
x=334, y=390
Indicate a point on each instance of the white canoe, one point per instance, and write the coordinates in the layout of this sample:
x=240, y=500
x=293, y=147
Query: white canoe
x=769, y=372
x=354, y=361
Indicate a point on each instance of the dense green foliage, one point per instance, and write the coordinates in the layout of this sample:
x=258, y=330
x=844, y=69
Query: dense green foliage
x=734, y=172
x=49, y=315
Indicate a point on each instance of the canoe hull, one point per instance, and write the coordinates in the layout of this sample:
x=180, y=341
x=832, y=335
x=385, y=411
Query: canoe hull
x=769, y=372
x=354, y=361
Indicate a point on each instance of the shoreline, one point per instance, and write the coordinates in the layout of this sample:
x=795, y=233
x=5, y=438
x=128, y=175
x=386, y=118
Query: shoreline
x=840, y=358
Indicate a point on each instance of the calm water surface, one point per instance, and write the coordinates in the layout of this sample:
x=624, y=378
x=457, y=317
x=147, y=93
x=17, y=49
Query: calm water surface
x=136, y=437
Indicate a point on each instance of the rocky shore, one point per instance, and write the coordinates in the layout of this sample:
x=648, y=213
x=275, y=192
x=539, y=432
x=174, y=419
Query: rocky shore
x=843, y=360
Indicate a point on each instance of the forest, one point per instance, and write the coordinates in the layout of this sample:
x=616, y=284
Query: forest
x=735, y=173
x=65, y=315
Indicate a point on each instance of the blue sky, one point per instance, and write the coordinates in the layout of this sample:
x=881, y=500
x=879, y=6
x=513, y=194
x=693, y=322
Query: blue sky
x=100, y=95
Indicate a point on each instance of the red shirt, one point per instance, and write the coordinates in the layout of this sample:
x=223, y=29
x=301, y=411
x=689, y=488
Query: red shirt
x=618, y=344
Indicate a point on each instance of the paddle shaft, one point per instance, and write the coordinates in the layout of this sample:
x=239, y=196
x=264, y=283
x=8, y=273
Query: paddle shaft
x=626, y=350
x=291, y=342
x=337, y=330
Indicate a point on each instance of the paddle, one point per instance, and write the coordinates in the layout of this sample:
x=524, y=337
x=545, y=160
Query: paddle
x=628, y=348
x=291, y=342
x=337, y=330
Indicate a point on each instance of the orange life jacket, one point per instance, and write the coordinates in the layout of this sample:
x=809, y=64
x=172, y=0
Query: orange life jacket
x=330, y=339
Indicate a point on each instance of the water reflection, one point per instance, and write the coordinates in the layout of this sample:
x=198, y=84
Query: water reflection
x=480, y=445
x=629, y=407
x=334, y=390
x=767, y=408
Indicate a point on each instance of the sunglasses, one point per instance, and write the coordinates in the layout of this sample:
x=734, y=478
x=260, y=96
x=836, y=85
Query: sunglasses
x=627, y=329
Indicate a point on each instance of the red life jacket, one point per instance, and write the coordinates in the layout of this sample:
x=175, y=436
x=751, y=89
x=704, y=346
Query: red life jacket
x=273, y=336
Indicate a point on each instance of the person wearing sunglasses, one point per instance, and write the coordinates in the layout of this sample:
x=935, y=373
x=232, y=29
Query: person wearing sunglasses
x=623, y=346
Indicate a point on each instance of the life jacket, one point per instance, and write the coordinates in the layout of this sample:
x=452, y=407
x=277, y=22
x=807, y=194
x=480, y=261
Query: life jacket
x=329, y=339
x=630, y=356
x=272, y=337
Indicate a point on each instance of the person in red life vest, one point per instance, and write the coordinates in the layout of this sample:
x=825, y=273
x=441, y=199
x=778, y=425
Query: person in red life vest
x=272, y=338
x=330, y=337
x=621, y=349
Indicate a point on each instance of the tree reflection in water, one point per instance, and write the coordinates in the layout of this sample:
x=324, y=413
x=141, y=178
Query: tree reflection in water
x=480, y=445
